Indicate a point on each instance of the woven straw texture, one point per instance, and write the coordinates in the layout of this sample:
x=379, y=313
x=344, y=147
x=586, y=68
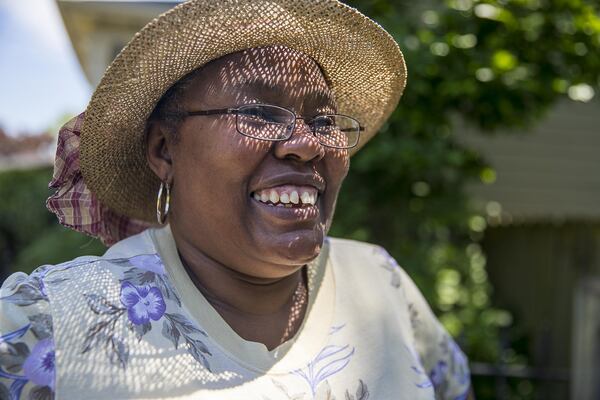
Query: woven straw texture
x=361, y=61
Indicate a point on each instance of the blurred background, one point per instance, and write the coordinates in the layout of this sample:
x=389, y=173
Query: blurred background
x=484, y=185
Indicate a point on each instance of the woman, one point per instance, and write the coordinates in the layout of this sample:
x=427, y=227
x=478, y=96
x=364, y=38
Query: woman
x=222, y=133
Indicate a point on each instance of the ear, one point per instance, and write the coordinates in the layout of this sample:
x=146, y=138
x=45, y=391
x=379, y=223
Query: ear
x=158, y=151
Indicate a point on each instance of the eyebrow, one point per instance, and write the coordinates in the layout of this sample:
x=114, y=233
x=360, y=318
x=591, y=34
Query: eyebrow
x=317, y=97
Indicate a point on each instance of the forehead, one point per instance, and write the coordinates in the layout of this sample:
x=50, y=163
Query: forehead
x=269, y=71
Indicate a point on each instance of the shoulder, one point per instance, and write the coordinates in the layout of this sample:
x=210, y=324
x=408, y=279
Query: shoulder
x=354, y=251
x=38, y=292
x=364, y=266
x=135, y=251
x=352, y=245
x=36, y=310
x=368, y=259
x=26, y=337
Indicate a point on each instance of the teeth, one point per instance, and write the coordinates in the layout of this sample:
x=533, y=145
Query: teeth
x=274, y=197
x=309, y=198
x=305, y=198
x=294, y=197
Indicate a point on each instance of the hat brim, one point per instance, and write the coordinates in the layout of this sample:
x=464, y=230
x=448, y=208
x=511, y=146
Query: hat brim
x=361, y=61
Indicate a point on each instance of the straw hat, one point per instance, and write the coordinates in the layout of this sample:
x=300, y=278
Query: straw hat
x=361, y=61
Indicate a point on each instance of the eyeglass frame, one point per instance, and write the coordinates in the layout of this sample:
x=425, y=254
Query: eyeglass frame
x=235, y=111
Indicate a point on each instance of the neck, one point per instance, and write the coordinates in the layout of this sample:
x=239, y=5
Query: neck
x=268, y=311
x=236, y=293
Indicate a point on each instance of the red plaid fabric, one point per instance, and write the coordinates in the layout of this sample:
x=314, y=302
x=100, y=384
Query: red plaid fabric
x=74, y=204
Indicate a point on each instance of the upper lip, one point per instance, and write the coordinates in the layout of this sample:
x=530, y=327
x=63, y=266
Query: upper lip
x=291, y=178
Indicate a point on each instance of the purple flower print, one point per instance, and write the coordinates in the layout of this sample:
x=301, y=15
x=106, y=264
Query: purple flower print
x=438, y=373
x=330, y=360
x=148, y=262
x=143, y=303
x=39, y=367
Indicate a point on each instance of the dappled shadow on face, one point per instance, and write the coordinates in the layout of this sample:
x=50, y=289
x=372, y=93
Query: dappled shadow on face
x=287, y=80
x=264, y=112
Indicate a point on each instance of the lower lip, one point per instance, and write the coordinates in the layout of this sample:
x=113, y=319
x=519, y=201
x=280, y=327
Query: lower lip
x=291, y=214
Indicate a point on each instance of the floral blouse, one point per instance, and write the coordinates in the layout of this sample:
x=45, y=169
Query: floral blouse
x=132, y=325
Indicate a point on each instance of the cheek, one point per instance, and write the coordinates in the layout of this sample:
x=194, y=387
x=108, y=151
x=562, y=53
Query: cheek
x=338, y=164
x=335, y=173
x=216, y=148
x=212, y=167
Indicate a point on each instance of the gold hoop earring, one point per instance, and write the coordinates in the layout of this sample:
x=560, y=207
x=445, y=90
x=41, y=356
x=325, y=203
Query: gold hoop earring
x=162, y=210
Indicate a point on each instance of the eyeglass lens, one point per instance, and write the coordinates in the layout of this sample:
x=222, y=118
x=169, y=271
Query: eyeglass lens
x=276, y=123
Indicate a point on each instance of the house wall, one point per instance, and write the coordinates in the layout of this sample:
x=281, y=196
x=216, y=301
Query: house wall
x=551, y=172
x=99, y=29
x=537, y=271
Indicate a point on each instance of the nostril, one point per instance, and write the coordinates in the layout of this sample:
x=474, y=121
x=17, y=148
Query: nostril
x=293, y=157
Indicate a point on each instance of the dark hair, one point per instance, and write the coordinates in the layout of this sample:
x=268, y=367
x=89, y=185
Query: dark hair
x=169, y=111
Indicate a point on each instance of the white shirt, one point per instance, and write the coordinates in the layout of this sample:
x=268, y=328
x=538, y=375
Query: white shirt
x=132, y=325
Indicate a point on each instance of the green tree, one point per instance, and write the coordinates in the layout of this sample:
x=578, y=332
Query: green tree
x=29, y=234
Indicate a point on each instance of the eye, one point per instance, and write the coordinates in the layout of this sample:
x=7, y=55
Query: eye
x=258, y=114
x=323, y=124
x=265, y=114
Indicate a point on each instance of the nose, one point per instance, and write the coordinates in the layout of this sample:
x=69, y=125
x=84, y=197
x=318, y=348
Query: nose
x=303, y=145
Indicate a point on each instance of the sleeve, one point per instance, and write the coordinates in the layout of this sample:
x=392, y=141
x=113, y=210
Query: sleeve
x=441, y=358
x=27, y=364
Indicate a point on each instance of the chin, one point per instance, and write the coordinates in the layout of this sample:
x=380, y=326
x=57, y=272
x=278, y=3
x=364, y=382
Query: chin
x=296, y=248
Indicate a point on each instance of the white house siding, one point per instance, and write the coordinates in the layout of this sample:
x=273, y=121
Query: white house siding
x=550, y=173
x=99, y=29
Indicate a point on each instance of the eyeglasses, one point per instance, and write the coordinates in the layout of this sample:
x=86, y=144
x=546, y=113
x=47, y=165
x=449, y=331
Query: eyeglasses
x=274, y=123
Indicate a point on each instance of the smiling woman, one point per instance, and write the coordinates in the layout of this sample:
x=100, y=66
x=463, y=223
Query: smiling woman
x=210, y=157
x=265, y=239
